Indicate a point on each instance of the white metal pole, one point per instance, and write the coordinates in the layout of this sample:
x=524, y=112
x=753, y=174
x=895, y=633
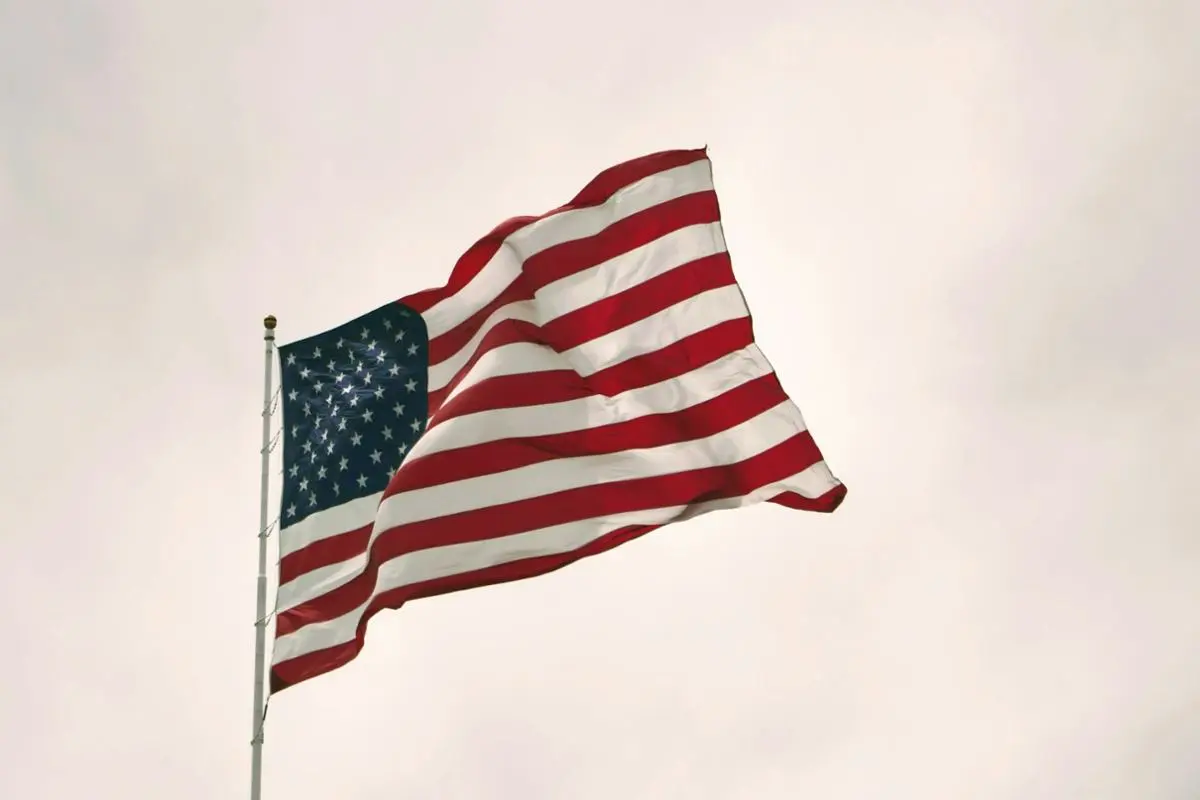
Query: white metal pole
x=260, y=619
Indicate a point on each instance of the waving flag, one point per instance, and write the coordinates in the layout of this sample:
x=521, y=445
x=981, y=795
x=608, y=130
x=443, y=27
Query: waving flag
x=585, y=377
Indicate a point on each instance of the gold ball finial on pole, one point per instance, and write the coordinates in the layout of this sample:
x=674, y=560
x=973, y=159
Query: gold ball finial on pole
x=269, y=322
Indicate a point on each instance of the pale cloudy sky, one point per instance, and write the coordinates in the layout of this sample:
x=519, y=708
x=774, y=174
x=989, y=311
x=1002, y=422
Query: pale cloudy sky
x=968, y=233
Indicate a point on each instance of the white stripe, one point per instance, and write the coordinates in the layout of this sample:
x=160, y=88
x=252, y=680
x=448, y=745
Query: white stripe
x=333, y=521
x=631, y=268
x=438, y=562
x=443, y=372
x=517, y=358
x=673, y=395
x=505, y=265
x=650, y=334
x=580, y=290
x=729, y=446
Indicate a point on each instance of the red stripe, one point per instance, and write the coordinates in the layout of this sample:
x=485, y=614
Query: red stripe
x=638, y=302
x=509, y=331
x=616, y=178
x=514, y=391
x=602, y=187
x=448, y=344
x=323, y=552
x=588, y=502
x=675, y=359
x=623, y=235
x=825, y=504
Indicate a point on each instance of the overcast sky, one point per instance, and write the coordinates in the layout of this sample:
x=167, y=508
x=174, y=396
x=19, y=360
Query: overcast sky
x=969, y=236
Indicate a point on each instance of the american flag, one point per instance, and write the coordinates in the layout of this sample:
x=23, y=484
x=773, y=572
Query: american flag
x=585, y=377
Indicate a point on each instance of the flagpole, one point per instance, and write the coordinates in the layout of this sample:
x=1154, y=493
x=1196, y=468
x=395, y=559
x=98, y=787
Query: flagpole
x=260, y=618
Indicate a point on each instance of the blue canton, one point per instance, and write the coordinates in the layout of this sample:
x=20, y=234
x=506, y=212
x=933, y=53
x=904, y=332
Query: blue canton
x=354, y=403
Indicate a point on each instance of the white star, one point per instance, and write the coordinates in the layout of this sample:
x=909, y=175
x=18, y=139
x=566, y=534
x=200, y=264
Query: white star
x=387, y=433
x=353, y=400
x=312, y=499
x=316, y=352
x=403, y=448
x=387, y=324
x=313, y=458
x=411, y=385
x=291, y=510
x=348, y=388
x=329, y=402
x=321, y=473
x=394, y=370
x=365, y=334
x=295, y=431
x=358, y=367
x=371, y=345
x=356, y=439
x=378, y=392
x=337, y=490
x=325, y=436
x=382, y=355
x=362, y=481
x=291, y=361
x=341, y=343
x=342, y=424
x=318, y=386
x=375, y=456
x=399, y=409
x=416, y=425
x=330, y=365
x=342, y=463
x=341, y=377
x=304, y=485
x=292, y=395
x=306, y=447
x=412, y=349
x=367, y=378
x=294, y=471
x=307, y=410
x=329, y=449
x=304, y=373
x=399, y=336
x=368, y=415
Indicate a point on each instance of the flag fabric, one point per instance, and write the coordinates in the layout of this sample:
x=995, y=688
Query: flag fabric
x=584, y=377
